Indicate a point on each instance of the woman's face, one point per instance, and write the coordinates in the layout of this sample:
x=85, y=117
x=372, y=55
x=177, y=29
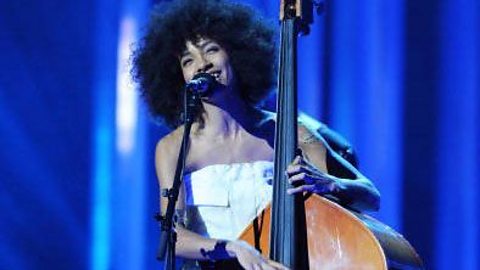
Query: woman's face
x=207, y=56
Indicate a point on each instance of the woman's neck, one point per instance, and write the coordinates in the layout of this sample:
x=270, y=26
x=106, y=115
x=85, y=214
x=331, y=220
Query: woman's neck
x=226, y=121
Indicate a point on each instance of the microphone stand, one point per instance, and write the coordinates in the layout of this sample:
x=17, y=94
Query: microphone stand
x=168, y=236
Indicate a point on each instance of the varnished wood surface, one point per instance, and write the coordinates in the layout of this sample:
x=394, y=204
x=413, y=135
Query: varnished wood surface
x=340, y=239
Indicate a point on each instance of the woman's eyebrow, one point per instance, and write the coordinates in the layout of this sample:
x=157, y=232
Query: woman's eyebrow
x=184, y=53
x=203, y=43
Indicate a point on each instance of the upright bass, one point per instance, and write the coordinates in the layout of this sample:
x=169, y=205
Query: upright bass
x=310, y=231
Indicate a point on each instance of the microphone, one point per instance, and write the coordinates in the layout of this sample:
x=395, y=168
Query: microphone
x=202, y=84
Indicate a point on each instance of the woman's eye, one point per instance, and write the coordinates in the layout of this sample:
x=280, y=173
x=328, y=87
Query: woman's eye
x=186, y=62
x=213, y=49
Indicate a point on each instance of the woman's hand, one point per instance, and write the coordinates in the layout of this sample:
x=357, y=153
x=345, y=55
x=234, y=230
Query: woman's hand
x=306, y=178
x=249, y=258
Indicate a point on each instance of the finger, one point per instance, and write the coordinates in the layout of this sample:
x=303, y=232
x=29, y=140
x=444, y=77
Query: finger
x=277, y=265
x=297, y=160
x=297, y=168
x=257, y=267
x=300, y=177
x=300, y=189
x=293, y=168
x=267, y=266
x=248, y=266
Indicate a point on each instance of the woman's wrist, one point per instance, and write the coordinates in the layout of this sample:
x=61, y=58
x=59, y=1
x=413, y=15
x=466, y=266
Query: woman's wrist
x=339, y=186
x=343, y=192
x=221, y=250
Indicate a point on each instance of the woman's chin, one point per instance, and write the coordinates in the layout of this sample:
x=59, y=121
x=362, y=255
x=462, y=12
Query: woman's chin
x=217, y=101
x=210, y=101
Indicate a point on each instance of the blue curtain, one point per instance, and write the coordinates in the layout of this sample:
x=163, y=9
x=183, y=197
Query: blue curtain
x=398, y=78
x=45, y=77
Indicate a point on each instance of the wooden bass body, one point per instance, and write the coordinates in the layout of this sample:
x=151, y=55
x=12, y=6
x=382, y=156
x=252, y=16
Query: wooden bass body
x=341, y=239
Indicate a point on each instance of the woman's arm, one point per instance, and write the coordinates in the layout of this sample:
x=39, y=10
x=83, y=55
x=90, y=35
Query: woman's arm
x=323, y=171
x=189, y=244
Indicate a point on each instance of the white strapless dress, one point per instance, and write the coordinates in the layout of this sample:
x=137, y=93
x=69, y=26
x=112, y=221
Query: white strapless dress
x=223, y=199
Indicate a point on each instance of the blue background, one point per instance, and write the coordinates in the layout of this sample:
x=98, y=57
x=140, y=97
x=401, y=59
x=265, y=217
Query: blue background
x=398, y=78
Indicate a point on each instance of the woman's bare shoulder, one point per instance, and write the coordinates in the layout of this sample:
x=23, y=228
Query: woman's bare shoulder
x=170, y=143
x=309, y=137
x=307, y=126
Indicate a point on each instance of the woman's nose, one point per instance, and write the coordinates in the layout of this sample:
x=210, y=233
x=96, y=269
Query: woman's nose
x=205, y=66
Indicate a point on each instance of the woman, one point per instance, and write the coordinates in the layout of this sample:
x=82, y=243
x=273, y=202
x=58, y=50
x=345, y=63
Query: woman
x=228, y=167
